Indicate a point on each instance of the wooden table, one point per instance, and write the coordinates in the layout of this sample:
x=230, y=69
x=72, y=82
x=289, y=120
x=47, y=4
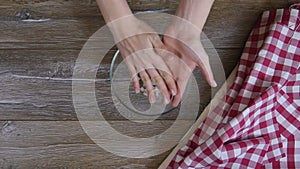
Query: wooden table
x=38, y=124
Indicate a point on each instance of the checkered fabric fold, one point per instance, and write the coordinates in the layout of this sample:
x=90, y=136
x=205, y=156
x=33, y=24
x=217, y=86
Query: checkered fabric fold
x=257, y=125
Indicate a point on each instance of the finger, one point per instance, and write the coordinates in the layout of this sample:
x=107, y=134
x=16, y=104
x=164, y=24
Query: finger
x=149, y=87
x=207, y=73
x=204, y=65
x=181, y=83
x=169, y=80
x=136, y=84
x=157, y=42
x=134, y=78
x=176, y=100
x=159, y=81
x=133, y=73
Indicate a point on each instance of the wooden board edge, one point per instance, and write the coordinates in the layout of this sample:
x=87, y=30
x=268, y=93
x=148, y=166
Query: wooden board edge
x=219, y=95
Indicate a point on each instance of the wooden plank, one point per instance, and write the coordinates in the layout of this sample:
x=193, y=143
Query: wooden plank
x=23, y=134
x=71, y=156
x=230, y=33
x=230, y=22
x=16, y=10
x=36, y=85
x=36, y=99
x=46, y=63
x=53, y=34
x=49, y=34
x=40, y=144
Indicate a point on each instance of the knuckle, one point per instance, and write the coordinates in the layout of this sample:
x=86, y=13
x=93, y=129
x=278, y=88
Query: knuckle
x=150, y=89
x=157, y=80
x=169, y=80
x=145, y=79
x=165, y=76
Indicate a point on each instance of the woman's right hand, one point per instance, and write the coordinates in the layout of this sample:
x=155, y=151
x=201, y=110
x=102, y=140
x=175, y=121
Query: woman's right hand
x=183, y=38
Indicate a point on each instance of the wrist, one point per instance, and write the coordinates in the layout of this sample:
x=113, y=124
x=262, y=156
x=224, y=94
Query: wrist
x=128, y=26
x=180, y=27
x=113, y=9
x=194, y=11
x=123, y=27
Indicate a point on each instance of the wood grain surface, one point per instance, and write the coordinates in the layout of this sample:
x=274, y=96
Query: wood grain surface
x=40, y=41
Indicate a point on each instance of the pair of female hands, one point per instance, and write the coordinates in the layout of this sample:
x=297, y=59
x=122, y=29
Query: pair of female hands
x=167, y=62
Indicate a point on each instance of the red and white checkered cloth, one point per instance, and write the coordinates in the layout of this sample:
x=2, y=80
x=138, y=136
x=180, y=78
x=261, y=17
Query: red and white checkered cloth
x=258, y=124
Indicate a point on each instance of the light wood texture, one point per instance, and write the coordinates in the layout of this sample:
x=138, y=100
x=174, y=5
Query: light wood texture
x=78, y=26
x=63, y=144
x=39, y=43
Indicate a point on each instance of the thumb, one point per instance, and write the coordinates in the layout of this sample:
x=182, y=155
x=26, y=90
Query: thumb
x=202, y=62
x=207, y=73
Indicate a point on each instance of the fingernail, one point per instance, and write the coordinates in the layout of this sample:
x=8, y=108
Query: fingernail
x=214, y=84
x=173, y=92
x=137, y=90
x=174, y=105
x=152, y=98
x=167, y=101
